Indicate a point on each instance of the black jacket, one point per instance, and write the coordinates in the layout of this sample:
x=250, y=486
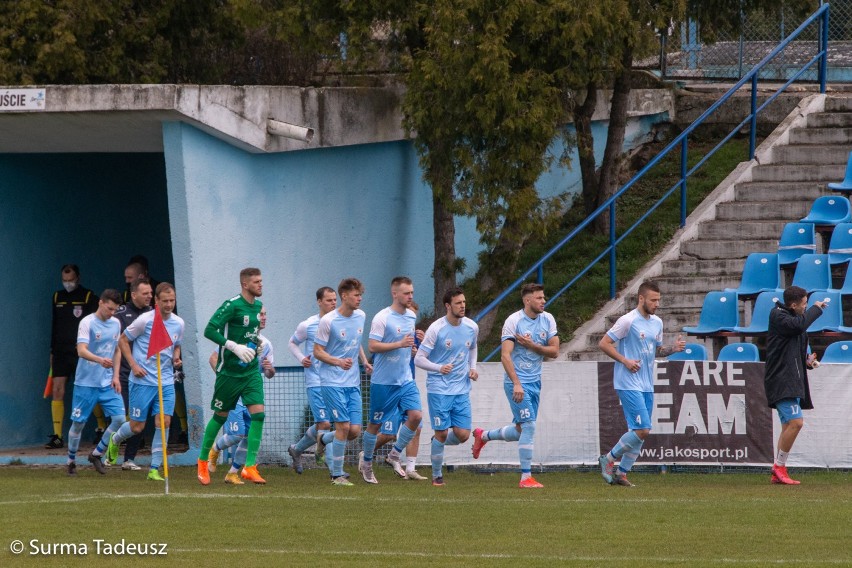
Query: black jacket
x=786, y=371
x=127, y=314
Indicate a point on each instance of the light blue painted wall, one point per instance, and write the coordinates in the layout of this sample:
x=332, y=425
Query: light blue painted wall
x=60, y=208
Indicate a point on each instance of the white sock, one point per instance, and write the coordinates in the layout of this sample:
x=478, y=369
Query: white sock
x=525, y=476
x=233, y=470
x=410, y=463
x=782, y=458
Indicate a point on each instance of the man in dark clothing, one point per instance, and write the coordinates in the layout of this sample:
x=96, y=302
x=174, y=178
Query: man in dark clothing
x=70, y=305
x=140, y=302
x=786, y=371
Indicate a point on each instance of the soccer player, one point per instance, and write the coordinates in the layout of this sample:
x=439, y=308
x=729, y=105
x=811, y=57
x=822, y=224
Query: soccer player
x=239, y=419
x=70, y=306
x=144, y=394
x=96, y=380
x=139, y=302
x=528, y=336
x=448, y=354
x=634, y=342
x=337, y=346
x=392, y=386
x=235, y=327
x=320, y=432
x=786, y=371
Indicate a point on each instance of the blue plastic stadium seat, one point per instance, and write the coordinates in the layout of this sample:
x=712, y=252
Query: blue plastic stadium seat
x=840, y=248
x=739, y=352
x=760, y=274
x=760, y=315
x=829, y=210
x=813, y=272
x=838, y=352
x=719, y=313
x=832, y=316
x=691, y=352
x=796, y=239
x=846, y=184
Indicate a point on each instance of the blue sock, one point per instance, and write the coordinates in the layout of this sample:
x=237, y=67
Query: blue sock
x=403, y=437
x=506, y=433
x=629, y=458
x=525, y=446
x=437, y=457
x=228, y=440
x=327, y=436
x=627, y=442
x=122, y=433
x=369, y=443
x=240, y=457
x=74, y=434
x=157, y=448
x=338, y=449
x=452, y=440
x=114, y=424
x=308, y=440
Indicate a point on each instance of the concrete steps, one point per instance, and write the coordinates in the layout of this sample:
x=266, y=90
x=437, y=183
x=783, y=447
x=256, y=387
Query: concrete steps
x=780, y=192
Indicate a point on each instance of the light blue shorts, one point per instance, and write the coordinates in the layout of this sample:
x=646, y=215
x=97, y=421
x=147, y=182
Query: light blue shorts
x=637, y=407
x=390, y=425
x=789, y=409
x=450, y=411
x=527, y=409
x=85, y=399
x=239, y=421
x=317, y=404
x=145, y=401
x=344, y=404
x=387, y=400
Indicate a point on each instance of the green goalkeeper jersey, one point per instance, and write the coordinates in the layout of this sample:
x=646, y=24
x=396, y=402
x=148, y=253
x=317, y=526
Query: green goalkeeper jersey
x=238, y=321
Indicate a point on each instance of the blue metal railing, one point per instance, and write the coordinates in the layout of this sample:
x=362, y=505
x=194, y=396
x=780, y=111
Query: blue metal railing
x=821, y=16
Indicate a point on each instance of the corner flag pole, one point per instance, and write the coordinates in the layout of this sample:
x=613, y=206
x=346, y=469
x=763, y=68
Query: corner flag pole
x=163, y=424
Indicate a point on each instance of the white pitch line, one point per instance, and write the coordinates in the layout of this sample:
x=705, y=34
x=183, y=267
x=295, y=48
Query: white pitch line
x=373, y=498
x=501, y=556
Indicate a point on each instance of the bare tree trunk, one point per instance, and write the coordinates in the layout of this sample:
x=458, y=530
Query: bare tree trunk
x=586, y=147
x=443, y=224
x=608, y=182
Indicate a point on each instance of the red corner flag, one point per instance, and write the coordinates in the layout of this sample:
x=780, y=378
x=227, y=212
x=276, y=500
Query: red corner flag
x=159, y=336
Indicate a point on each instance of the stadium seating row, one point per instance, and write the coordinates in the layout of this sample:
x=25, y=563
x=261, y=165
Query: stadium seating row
x=838, y=352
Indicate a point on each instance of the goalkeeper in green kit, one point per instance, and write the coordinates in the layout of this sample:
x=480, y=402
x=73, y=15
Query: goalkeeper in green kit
x=235, y=327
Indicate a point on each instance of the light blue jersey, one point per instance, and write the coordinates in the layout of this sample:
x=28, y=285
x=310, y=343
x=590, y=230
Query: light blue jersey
x=341, y=338
x=637, y=338
x=541, y=330
x=102, y=339
x=392, y=367
x=139, y=332
x=446, y=343
x=305, y=333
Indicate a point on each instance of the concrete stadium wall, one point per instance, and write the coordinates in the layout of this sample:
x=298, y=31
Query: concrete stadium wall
x=94, y=210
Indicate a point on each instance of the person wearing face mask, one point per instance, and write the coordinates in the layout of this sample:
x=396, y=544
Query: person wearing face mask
x=70, y=305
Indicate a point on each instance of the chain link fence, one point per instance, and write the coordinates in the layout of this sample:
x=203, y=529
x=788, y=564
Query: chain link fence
x=685, y=54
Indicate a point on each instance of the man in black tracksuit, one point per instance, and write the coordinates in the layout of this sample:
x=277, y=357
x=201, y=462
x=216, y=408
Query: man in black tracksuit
x=140, y=302
x=786, y=371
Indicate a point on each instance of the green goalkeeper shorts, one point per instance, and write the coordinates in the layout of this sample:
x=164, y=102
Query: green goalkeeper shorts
x=228, y=390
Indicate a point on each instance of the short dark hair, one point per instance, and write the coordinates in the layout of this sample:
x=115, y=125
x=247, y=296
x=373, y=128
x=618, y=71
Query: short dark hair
x=794, y=294
x=111, y=295
x=139, y=259
x=134, y=286
x=648, y=286
x=397, y=280
x=163, y=287
x=138, y=267
x=321, y=292
x=349, y=284
x=531, y=288
x=452, y=293
x=247, y=273
x=66, y=268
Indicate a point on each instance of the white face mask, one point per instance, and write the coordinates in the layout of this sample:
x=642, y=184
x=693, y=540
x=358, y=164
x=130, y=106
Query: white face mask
x=69, y=286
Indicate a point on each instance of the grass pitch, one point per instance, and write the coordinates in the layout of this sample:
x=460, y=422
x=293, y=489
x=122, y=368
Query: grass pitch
x=475, y=520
